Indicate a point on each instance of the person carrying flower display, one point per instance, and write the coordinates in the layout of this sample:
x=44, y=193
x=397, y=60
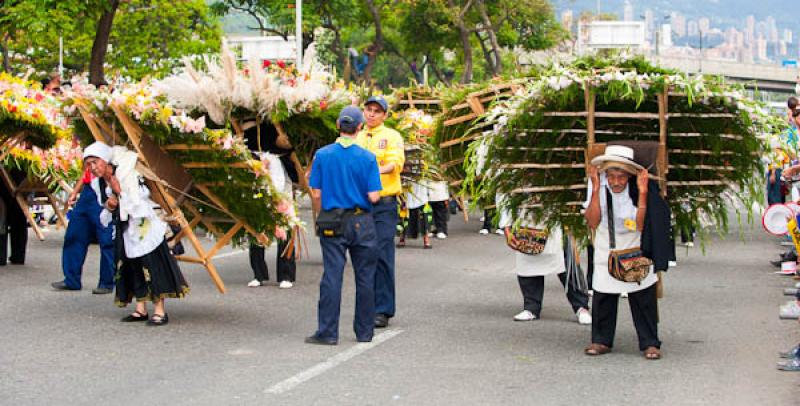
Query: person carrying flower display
x=387, y=145
x=147, y=270
x=631, y=224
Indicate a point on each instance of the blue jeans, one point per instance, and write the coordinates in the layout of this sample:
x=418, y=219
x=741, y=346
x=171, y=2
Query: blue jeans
x=386, y=219
x=359, y=239
x=83, y=228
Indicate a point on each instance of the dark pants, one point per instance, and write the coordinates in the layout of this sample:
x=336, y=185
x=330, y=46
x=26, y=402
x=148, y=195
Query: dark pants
x=644, y=309
x=386, y=218
x=589, y=265
x=84, y=227
x=16, y=222
x=417, y=223
x=440, y=216
x=286, y=267
x=488, y=219
x=359, y=239
x=532, y=288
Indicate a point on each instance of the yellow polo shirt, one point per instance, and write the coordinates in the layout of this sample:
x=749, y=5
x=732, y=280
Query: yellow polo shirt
x=387, y=145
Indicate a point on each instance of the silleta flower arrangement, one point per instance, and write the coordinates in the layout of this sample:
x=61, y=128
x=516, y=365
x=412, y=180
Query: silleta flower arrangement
x=531, y=146
x=28, y=111
x=242, y=181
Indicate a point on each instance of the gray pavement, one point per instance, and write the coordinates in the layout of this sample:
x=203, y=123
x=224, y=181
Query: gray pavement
x=452, y=343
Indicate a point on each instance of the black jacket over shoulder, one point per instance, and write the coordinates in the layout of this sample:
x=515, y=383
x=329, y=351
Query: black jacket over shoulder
x=656, y=234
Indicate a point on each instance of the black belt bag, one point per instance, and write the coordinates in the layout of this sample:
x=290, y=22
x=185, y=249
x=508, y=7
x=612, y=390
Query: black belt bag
x=330, y=223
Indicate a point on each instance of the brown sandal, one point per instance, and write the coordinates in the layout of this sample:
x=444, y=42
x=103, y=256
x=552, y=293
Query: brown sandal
x=652, y=353
x=597, y=349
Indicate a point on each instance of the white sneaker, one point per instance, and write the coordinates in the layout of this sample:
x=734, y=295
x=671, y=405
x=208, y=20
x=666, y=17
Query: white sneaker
x=499, y=231
x=590, y=292
x=790, y=311
x=254, y=283
x=483, y=231
x=672, y=264
x=524, y=315
x=797, y=285
x=285, y=285
x=584, y=316
x=623, y=295
x=441, y=236
x=690, y=244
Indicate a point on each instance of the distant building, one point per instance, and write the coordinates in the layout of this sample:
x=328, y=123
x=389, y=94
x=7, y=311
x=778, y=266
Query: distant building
x=691, y=28
x=761, y=49
x=627, y=11
x=678, y=24
x=567, y=19
x=704, y=24
x=262, y=48
x=787, y=36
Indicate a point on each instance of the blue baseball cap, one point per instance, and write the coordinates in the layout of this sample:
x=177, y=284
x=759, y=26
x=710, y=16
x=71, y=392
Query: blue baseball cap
x=380, y=101
x=349, y=119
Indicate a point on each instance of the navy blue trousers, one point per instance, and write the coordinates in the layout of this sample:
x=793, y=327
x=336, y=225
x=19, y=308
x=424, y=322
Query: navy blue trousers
x=84, y=227
x=386, y=219
x=359, y=239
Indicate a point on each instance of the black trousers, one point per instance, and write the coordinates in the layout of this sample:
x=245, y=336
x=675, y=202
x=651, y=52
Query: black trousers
x=16, y=222
x=287, y=267
x=488, y=219
x=532, y=288
x=417, y=224
x=440, y=216
x=644, y=309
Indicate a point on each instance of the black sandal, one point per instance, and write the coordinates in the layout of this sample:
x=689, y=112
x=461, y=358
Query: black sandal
x=135, y=316
x=158, y=320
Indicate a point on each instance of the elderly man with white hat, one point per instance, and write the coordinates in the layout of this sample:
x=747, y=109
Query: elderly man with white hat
x=84, y=227
x=626, y=216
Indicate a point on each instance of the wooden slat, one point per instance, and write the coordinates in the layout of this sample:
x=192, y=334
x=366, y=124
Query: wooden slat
x=214, y=165
x=461, y=140
x=543, y=166
x=697, y=183
x=452, y=163
x=412, y=102
x=703, y=167
x=187, y=147
x=540, y=189
x=703, y=115
x=557, y=149
x=699, y=152
x=459, y=120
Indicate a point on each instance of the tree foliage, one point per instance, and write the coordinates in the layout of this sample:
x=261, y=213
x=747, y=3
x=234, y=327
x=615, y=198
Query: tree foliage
x=148, y=37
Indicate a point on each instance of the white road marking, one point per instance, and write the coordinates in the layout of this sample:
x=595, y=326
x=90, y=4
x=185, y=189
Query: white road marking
x=330, y=363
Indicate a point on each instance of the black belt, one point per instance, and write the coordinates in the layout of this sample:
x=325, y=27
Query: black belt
x=387, y=199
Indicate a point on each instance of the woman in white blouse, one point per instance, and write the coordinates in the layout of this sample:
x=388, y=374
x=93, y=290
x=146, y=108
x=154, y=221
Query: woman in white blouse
x=609, y=176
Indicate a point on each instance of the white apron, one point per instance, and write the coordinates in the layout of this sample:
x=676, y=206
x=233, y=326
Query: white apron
x=549, y=261
x=625, y=238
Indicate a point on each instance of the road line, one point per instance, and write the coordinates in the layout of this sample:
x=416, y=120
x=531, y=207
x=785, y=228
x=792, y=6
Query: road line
x=330, y=363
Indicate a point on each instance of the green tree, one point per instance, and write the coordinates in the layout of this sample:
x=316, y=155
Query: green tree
x=145, y=37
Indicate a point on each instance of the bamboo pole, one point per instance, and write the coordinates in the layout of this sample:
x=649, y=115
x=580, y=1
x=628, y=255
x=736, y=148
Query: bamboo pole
x=573, y=165
x=661, y=160
x=540, y=189
x=461, y=140
x=459, y=120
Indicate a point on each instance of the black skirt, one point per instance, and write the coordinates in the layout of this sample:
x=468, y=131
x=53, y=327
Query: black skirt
x=152, y=277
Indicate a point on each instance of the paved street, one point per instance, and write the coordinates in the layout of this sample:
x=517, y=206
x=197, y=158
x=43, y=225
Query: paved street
x=452, y=343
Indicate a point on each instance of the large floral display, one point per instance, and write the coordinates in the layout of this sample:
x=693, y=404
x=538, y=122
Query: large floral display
x=35, y=134
x=216, y=158
x=532, y=146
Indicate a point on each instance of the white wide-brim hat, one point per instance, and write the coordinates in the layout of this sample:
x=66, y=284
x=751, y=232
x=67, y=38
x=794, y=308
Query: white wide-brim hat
x=617, y=156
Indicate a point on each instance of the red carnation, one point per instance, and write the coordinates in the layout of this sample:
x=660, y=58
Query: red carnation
x=282, y=64
x=12, y=108
x=266, y=63
x=39, y=97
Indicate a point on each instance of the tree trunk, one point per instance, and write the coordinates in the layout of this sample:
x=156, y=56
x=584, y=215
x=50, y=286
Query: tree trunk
x=100, y=46
x=486, y=54
x=436, y=71
x=489, y=27
x=377, y=43
x=4, y=49
x=463, y=34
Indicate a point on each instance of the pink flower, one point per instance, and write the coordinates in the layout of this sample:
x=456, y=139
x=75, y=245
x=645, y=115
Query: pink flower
x=285, y=207
x=280, y=233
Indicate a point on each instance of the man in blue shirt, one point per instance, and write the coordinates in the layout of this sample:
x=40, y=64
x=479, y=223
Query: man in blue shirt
x=345, y=182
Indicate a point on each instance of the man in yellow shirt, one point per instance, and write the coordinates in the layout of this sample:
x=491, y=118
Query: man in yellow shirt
x=387, y=145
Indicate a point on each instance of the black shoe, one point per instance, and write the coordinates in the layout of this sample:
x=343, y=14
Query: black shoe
x=315, y=339
x=776, y=263
x=102, y=291
x=158, y=320
x=135, y=316
x=364, y=340
x=789, y=256
x=61, y=286
x=381, y=321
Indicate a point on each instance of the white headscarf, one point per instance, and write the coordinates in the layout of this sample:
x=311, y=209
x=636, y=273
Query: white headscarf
x=99, y=150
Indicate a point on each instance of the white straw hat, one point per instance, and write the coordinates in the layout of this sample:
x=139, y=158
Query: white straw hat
x=617, y=156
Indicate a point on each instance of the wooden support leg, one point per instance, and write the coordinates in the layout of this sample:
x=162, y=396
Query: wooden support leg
x=62, y=220
x=210, y=268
